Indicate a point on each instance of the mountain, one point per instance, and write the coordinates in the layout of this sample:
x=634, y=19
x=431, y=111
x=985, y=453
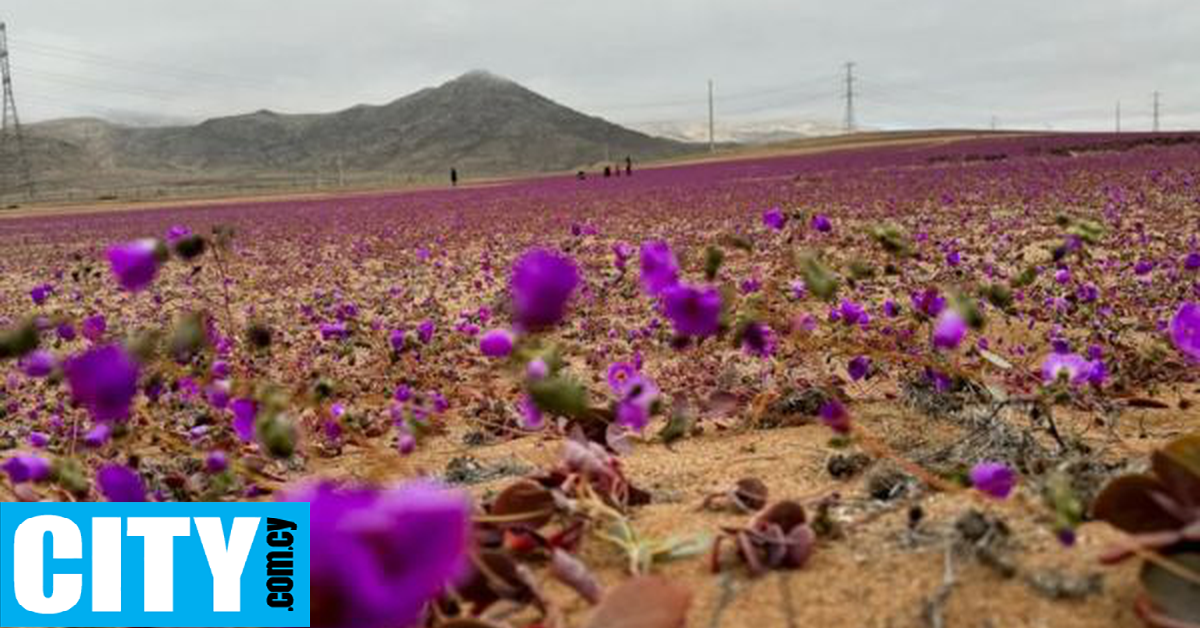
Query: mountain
x=480, y=123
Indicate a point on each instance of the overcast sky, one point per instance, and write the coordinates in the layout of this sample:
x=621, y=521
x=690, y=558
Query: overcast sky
x=1030, y=63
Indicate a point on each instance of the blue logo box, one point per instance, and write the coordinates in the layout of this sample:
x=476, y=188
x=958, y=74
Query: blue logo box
x=154, y=564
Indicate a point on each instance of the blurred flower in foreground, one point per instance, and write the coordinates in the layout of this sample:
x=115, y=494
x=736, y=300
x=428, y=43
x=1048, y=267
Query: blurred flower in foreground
x=119, y=483
x=542, y=283
x=1185, y=330
x=26, y=469
x=497, y=343
x=38, y=363
x=694, y=311
x=660, y=269
x=949, y=329
x=136, y=263
x=104, y=380
x=993, y=478
x=380, y=555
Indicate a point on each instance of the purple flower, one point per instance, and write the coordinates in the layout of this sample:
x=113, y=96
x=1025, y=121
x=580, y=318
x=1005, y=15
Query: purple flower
x=39, y=294
x=1143, y=267
x=218, y=394
x=632, y=416
x=930, y=302
x=949, y=330
x=774, y=218
x=39, y=440
x=220, y=369
x=406, y=443
x=851, y=313
x=859, y=367
x=94, y=327
x=397, y=339
x=177, y=233
x=104, y=380
x=216, y=462
x=758, y=340
x=1062, y=276
x=821, y=223
x=835, y=417
x=537, y=369
x=425, y=332
x=541, y=285
x=620, y=374
x=953, y=259
x=65, y=331
x=119, y=483
x=660, y=269
x=890, y=309
x=694, y=311
x=1192, y=261
x=334, y=331
x=1185, y=330
x=1074, y=367
x=26, y=469
x=403, y=393
x=993, y=478
x=135, y=264
x=497, y=343
x=245, y=411
x=39, y=363
x=638, y=396
x=379, y=556
x=799, y=289
x=531, y=417
x=621, y=253
x=98, y=436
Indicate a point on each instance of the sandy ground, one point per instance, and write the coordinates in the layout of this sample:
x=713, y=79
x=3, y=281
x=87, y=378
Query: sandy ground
x=880, y=575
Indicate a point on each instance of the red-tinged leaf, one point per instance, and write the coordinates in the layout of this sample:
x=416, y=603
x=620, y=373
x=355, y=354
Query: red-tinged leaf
x=643, y=602
x=524, y=503
x=1178, y=466
x=1127, y=502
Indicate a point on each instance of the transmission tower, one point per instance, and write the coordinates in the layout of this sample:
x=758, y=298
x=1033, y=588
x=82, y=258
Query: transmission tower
x=849, y=122
x=12, y=141
x=712, y=144
x=1156, y=111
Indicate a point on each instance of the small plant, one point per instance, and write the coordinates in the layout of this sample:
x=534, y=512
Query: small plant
x=1161, y=510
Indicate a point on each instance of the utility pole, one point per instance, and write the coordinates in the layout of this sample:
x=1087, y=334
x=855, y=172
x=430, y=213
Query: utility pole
x=10, y=127
x=1118, y=116
x=849, y=122
x=994, y=123
x=1156, y=111
x=712, y=144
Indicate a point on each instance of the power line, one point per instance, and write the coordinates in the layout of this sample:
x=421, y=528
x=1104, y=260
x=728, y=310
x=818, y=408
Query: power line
x=129, y=65
x=712, y=146
x=1156, y=104
x=849, y=121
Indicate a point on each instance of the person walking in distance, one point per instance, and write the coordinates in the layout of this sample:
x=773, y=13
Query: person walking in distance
x=628, y=166
x=453, y=177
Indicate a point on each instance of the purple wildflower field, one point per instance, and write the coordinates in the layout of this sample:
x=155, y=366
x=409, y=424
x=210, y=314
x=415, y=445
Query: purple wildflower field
x=915, y=383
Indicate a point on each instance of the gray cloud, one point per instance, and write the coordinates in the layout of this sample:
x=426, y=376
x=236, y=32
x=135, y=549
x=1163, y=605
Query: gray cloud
x=1029, y=63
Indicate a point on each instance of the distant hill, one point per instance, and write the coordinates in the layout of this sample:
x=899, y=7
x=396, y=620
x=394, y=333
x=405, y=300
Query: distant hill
x=480, y=123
